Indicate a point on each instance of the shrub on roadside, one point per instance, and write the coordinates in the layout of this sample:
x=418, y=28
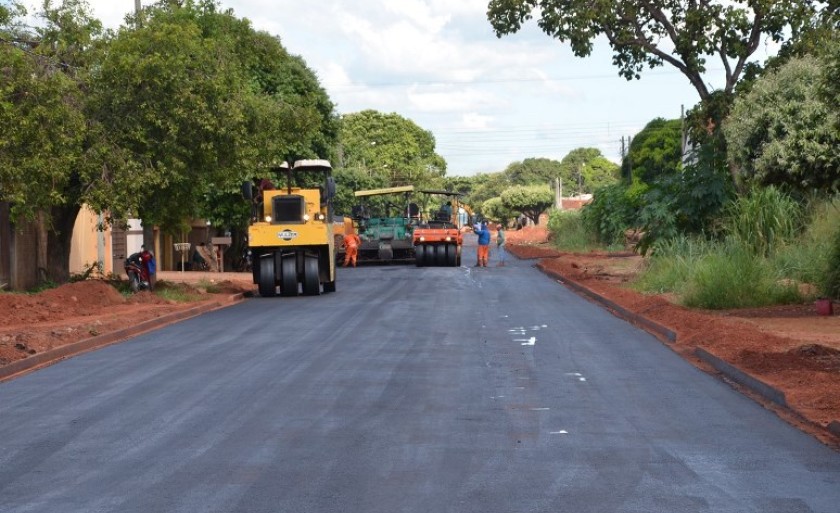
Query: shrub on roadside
x=671, y=263
x=764, y=220
x=568, y=232
x=609, y=214
x=807, y=258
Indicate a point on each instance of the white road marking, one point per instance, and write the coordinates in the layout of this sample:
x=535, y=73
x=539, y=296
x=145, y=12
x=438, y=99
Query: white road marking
x=574, y=374
x=539, y=409
x=582, y=379
x=561, y=432
x=527, y=342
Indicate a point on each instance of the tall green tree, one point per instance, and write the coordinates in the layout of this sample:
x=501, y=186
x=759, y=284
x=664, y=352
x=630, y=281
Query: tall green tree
x=656, y=150
x=203, y=101
x=685, y=35
x=390, y=146
x=52, y=160
x=176, y=101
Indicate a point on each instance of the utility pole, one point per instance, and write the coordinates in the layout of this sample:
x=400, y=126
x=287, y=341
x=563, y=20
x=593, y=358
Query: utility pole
x=137, y=6
x=684, y=139
x=558, y=193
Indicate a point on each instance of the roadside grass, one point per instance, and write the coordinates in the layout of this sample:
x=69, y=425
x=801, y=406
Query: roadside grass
x=773, y=254
x=209, y=286
x=810, y=258
x=568, y=233
x=733, y=277
x=671, y=263
x=178, y=293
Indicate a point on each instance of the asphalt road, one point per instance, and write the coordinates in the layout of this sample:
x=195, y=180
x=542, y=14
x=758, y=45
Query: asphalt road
x=427, y=390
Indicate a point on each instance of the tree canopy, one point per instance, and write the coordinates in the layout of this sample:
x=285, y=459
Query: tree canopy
x=685, y=35
x=391, y=146
x=531, y=200
x=161, y=119
x=656, y=150
x=784, y=132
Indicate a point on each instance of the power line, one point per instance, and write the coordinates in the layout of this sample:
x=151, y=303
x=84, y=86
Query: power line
x=376, y=85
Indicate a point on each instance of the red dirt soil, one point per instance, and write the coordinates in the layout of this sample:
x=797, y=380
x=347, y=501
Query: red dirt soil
x=789, y=347
x=35, y=323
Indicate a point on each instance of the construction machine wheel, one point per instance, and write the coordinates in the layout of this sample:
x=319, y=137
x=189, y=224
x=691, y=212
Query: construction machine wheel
x=289, y=279
x=440, y=254
x=311, y=278
x=267, y=284
x=451, y=255
x=420, y=254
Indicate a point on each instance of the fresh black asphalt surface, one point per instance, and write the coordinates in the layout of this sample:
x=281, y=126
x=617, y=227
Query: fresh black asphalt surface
x=409, y=390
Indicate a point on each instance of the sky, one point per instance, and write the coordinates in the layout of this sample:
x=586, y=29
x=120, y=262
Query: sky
x=488, y=102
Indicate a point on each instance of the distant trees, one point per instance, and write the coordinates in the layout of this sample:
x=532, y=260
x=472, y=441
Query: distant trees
x=390, y=146
x=531, y=200
x=586, y=169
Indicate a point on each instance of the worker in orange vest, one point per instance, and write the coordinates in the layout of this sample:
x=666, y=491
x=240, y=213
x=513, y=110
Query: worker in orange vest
x=351, y=249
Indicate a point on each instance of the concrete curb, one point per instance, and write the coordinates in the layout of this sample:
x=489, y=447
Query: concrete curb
x=20, y=367
x=651, y=327
x=738, y=376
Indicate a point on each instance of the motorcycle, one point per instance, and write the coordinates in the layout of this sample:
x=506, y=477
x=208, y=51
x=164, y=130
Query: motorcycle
x=138, y=275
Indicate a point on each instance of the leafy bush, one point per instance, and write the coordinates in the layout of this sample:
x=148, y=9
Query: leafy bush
x=568, y=232
x=610, y=213
x=495, y=209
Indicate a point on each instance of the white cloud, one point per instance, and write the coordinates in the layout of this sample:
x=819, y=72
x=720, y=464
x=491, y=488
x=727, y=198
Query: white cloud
x=475, y=121
x=448, y=99
x=438, y=63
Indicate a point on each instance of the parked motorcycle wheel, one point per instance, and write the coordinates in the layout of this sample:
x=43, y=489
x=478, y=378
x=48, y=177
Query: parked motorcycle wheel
x=134, y=282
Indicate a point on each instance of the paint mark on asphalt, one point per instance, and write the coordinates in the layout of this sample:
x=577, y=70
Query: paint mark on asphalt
x=529, y=342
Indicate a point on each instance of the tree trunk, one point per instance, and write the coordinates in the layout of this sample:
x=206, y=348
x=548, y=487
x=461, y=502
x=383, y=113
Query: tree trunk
x=59, y=239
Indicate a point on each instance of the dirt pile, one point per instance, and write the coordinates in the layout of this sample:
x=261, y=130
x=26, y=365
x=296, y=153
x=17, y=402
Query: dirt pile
x=35, y=323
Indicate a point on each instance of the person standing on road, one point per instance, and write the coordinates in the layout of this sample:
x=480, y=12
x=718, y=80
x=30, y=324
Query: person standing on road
x=500, y=243
x=483, y=245
x=351, y=249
